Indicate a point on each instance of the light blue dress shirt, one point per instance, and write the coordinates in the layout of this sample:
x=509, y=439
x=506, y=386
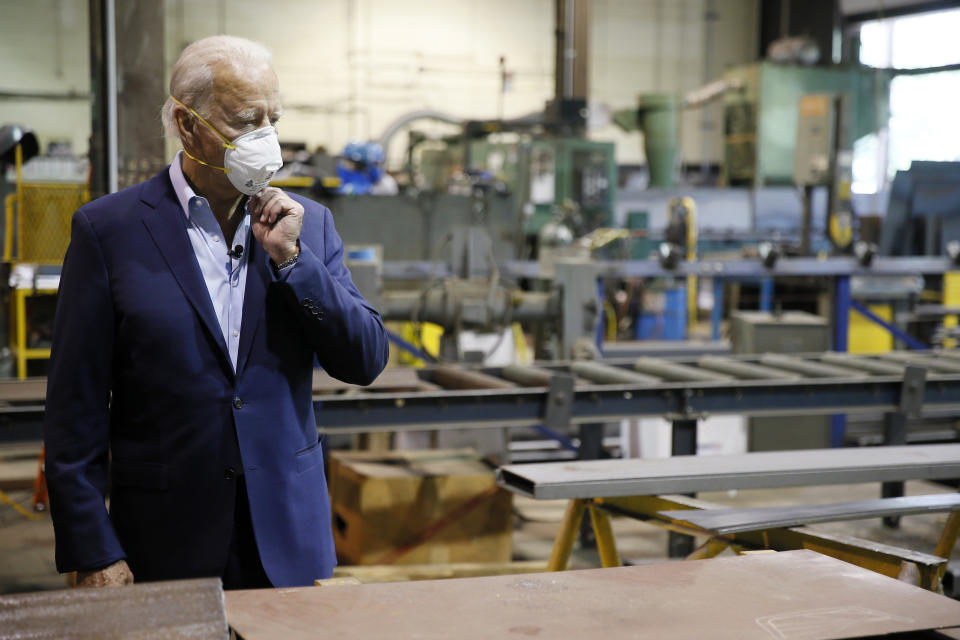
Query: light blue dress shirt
x=224, y=275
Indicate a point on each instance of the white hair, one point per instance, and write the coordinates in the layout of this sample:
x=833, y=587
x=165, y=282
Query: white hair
x=191, y=81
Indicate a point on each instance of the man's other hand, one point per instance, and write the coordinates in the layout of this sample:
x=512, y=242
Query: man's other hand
x=116, y=575
x=276, y=219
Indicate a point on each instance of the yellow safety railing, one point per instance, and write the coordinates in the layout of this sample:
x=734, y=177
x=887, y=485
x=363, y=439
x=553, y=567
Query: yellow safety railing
x=38, y=221
x=37, y=231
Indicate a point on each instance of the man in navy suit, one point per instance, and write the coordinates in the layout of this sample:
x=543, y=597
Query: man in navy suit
x=191, y=310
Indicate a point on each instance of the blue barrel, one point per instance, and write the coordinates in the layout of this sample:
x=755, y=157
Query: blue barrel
x=675, y=315
x=670, y=323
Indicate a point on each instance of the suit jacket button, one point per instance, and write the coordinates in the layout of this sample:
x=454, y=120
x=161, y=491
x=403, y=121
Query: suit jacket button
x=237, y=403
x=229, y=473
x=307, y=302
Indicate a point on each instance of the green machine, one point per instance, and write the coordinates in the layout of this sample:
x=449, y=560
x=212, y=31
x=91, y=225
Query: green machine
x=760, y=119
x=551, y=172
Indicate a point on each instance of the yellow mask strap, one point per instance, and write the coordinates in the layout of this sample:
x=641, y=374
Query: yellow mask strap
x=226, y=142
x=206, y=164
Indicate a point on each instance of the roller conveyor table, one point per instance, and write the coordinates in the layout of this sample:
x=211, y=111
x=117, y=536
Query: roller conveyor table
x=674, y=388
x=456, y=397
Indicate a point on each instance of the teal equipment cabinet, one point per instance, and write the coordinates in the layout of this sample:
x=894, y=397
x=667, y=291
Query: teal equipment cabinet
x=760, y=121
x=545, y=173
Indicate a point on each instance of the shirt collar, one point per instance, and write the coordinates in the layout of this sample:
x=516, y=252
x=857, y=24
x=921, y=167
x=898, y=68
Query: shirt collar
x=184, y=191
x=180, y=185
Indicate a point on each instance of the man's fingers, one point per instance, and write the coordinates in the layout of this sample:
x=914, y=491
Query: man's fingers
x=275, y=208
x=260, y=199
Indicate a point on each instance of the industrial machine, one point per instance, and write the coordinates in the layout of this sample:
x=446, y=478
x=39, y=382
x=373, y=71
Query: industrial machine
x=549, y=172
x=785, y=333
x=823, y=157
x=923, y=216
x=760, y=120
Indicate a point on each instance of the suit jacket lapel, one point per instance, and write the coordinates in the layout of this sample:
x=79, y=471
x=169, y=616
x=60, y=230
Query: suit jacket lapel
x=254, y=298
x=166, y=224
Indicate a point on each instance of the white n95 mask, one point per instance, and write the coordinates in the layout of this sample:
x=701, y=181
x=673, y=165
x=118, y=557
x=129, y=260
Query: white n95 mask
x=250, y=161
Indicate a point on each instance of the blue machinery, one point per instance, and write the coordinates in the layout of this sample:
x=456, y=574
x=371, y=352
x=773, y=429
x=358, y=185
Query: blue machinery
x=680, y=401
x=839, y=270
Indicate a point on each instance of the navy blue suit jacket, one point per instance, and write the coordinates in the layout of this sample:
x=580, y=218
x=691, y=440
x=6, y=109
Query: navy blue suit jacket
x=140, y=369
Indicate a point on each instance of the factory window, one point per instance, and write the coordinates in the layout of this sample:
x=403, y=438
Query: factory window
x=923, y=123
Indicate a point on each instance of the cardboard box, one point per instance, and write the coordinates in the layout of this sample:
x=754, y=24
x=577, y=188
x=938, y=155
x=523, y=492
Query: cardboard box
x=418, y=507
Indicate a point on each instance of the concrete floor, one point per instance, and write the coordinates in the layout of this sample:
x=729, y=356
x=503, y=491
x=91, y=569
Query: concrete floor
x=26, y=550
x=26, y=546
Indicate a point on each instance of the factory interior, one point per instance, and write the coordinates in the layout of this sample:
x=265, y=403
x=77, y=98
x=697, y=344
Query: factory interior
x=671, y=289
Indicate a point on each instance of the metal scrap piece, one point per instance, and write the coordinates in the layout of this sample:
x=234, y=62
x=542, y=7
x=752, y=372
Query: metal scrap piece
x=178, y=609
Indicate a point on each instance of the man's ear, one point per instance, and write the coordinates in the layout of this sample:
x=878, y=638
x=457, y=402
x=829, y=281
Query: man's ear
x=185, y=124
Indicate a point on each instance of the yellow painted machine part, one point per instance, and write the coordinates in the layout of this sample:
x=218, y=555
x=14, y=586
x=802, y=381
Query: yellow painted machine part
x=859, y=552
x=611, y=316
x=567, y=535
x=18, y=160
x=866, y=336
x=948, y=539
x=9, y=203
x=303, y=182
x=606, y=545
x=425, y=336
x=520, y=345
x=840, y=230
x=951, y=298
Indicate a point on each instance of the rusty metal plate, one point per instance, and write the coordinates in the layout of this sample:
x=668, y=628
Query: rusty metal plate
x=179, y=609
x=794, y=594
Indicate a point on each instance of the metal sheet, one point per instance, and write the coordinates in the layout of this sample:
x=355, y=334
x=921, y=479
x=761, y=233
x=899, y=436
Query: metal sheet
x=870, y=365
x=809, y=368
x=724, y=521
x=689, y=474
x=31, y=389
x=775, y=595
x=179, y=609
x=676, y=371
x=882, y=558
x=606, y=374
x=745, y=370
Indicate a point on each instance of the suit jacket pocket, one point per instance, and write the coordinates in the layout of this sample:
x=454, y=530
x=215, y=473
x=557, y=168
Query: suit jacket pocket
x=152, y=476
x=309, y=457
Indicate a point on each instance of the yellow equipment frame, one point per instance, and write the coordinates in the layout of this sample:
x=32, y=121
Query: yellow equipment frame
x=12, y=253
x=924, y=570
